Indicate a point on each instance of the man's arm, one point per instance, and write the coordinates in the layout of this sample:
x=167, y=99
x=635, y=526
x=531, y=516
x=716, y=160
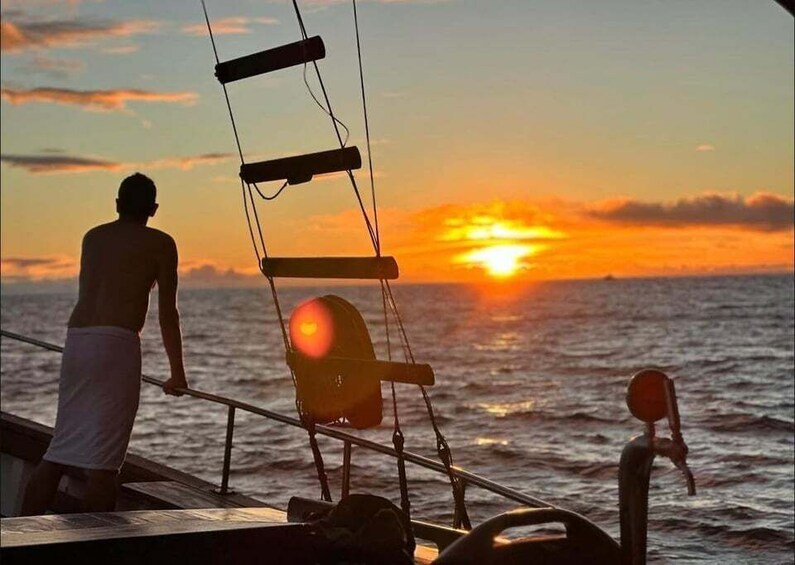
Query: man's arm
x=169, y=316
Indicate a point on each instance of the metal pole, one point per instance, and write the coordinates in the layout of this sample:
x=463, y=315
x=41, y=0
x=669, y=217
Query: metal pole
x=230, y=429
x=346, y=469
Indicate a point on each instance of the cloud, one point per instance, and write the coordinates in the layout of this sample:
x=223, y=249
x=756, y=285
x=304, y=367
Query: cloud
x=37, y=268
x=57, y=68
x=121, y=49
x=705, y=147
x=186, y=163
x=228, y=26
x=28, y=3
x=102, y=100
x=25, y=262
x=39, y=164
x=25, y=33
x=25, y=274
x=55, y=163
x=762, y=211
x=208, y=274
x=324, y=3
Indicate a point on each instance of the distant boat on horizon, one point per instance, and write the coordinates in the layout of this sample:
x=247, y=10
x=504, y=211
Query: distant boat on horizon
x=609, y=277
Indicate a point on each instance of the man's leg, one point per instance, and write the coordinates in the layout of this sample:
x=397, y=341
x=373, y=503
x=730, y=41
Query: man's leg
x=41, y=488
x=100, y=493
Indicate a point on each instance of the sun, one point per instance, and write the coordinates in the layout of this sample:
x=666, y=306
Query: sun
x=499, y=261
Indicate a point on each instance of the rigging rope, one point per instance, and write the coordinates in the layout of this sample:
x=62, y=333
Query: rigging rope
x=366, y=129
x=310, y=429
x=335, y=122
x=388, y=300
x=226, y=94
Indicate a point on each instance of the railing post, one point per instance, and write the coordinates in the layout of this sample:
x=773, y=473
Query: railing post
x=230, y=429
x=346, y=469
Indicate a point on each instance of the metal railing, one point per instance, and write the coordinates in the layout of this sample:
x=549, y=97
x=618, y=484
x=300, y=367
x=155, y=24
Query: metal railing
x=348, y=439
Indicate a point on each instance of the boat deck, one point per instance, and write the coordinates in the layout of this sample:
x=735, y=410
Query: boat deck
x=199, y=536
x=168, y=517
x=157, y=536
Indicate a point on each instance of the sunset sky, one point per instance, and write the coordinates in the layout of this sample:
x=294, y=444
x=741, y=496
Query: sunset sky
x=513, y=139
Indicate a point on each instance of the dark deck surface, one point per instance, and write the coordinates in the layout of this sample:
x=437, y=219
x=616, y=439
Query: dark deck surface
x=198, y=537
x=216, y=535
x=68, y=528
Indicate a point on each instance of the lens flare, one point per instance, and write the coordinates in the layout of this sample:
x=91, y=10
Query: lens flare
x=311, y=328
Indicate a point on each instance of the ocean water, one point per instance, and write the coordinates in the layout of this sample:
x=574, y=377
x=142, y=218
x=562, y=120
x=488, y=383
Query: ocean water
x=529, y=392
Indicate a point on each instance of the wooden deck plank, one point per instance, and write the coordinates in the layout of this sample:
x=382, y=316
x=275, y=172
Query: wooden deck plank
x=424, y=555
x=183, y=540
x=180, y=496
x=54, y=528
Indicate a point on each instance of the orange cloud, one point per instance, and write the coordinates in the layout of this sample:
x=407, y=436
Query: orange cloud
x=210, y=274
x=187, y=163
x=20, y=35
x=228, y=26
x=538, y=240
x=15, y=269
x=103, y=100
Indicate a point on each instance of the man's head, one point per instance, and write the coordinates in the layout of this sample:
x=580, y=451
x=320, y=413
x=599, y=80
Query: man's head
x=137, y=194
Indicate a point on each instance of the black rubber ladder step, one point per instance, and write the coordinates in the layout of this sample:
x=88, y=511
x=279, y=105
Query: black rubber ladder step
x=282, y=57
x=390, y=371
x=302, y=168
x=375, y=268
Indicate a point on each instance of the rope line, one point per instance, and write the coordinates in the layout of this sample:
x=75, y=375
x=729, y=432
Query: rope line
x=388, y=300
x=367, y=130
x=272, y=196
x=226, y=94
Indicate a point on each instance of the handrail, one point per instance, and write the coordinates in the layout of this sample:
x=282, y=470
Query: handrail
x=420, y=460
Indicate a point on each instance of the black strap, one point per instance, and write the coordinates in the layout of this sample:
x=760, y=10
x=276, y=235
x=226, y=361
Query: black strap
x=460, y=515
x=405, y=503
x=325, y=493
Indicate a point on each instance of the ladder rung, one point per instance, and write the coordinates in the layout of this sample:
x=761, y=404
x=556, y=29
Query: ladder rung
x=331, y=267
x=390, y=371
x=302, y=168
x=281, y=57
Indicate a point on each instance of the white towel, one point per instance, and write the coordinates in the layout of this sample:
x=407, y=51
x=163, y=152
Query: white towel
x=98, y=397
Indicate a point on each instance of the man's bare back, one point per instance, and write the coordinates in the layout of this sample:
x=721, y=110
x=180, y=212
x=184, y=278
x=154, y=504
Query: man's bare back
x=99, y=387
x=120, y=263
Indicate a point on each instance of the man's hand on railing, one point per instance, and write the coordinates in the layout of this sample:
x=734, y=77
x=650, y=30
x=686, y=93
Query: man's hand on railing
x=173, y=385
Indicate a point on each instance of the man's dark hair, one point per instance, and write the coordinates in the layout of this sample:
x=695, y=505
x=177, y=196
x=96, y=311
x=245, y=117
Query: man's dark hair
x=137, y=194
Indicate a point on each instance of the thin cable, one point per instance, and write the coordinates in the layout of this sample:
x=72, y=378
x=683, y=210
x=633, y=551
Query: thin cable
x=210, y=29
x=335, y=122
x=367, y=131
x=248, y=221
x=226, y=94
x=274, y=195
x=300, y=19
x=325, y=111
x=259, y=226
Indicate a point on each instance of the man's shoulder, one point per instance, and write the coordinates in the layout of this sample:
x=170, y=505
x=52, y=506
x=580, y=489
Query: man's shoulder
x=100, y=228
x=153, y=238
x=159, y=235
x=164, y=244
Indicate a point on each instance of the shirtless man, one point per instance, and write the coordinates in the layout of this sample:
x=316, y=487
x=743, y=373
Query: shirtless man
x=100, y=379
